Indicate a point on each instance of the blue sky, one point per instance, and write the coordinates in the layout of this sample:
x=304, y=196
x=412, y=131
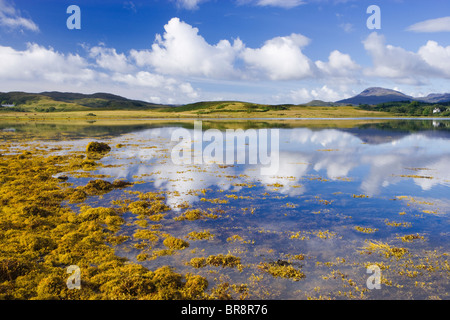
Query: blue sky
x=266, y=51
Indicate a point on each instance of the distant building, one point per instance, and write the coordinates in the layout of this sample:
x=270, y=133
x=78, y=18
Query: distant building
x=437, y=110
x=8, y=105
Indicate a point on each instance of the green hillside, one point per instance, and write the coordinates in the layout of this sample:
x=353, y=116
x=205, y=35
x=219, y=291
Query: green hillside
x=65, y=101
x=209, y=107
x=104, y=105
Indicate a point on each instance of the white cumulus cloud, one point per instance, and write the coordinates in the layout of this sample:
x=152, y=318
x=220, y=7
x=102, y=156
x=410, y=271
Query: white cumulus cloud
x=436, y=56
x=402, y=65
x=339, y=65
x=280, y=58
x=182, y=51
x=39, y=63
x=324, y=93
x=108, y=58
x=165, y=85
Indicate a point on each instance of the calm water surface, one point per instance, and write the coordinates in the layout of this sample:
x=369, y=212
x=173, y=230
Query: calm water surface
x=392, y=177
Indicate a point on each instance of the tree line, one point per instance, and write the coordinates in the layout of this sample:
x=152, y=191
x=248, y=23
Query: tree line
x=414, y=108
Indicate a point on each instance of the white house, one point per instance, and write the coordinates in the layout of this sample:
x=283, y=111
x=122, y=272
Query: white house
x=437, y=110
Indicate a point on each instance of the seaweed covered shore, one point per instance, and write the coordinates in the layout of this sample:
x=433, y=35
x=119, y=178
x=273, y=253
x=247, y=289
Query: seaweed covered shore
x=40, y=237
x=58, y=208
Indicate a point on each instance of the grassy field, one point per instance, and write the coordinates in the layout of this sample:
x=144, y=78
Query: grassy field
x=217, y=110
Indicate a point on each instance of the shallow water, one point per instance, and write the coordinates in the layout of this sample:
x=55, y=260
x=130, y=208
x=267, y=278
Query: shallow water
x=391, y=177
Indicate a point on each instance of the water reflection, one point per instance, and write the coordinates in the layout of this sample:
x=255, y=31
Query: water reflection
x=305, y=154
x=391, y=179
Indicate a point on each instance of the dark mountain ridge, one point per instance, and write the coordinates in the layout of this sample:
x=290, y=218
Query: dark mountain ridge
x=98, y=100
x=377, y=95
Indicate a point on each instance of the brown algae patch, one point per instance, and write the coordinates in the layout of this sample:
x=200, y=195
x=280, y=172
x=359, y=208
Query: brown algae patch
x=198, y=262
x=40, y=237
x=281, y=268
x=175, y=243
x=224, y=261
x=95, y=188
x=195, y=214
x=360, y=196
x=97, y=147
x=365, y=229
x=200, y=235
x=383, y=249
x=152, y=209
x=413, y=176
x=220, y=260
x=411, y=237
x=398, y=224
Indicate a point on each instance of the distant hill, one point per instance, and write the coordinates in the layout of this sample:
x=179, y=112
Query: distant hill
x=209, y=107
x=320, y=103
x=376, y=95
x=435, y=98
x=69, y=101
x=68, y=96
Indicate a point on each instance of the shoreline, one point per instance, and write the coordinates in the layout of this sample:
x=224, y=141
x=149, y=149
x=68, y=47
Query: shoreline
x=118, y=116
x=136, y=119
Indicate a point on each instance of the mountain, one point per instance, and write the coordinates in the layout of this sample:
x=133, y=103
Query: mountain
x=320, y=103
x=70, y=96
x=69, y=101
x=375, y=96
x=100, y=100
x=435, y=98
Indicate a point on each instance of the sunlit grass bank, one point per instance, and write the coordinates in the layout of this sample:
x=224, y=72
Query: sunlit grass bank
x=232, y=111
